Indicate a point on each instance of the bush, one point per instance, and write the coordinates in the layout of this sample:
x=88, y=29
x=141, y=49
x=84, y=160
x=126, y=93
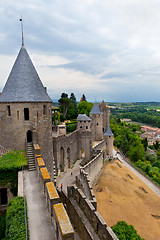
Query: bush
x=125, y=232
x=15, y=220
x=10, y=164
x=2, y=226
x=70, y=127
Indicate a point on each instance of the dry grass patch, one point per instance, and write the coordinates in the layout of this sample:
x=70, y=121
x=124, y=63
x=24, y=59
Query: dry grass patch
x=121, y=195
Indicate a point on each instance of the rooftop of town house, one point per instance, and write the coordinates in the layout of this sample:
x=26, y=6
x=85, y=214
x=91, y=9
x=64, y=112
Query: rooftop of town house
x=40, y=162
x=45, y=173
x=108, y=132
x=63, y=219
x=146, y=128
x=23, y=83
x=96, y=109
x=52, y=190
x=83, y=117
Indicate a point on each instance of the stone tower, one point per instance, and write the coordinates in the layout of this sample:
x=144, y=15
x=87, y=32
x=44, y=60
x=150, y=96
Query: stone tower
x=108, y=135
x=25, y=109
x=106, y=114
x=84, y=133
x=97, y=123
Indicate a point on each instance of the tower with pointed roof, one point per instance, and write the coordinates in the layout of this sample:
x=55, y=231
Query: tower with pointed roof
x=100, y=129
x=108, y=135
x=25, y=108
x=106, y=114
x=97, y=123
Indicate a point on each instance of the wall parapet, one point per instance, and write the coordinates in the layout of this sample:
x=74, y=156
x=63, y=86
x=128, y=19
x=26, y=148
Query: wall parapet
x=91, y=213
x=94, y=168
x=100, y=145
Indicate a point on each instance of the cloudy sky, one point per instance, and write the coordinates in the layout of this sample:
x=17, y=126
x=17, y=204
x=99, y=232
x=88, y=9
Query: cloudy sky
x=105, y=49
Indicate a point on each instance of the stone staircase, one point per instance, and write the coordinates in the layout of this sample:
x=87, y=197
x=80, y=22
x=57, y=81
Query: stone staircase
x=31, y=158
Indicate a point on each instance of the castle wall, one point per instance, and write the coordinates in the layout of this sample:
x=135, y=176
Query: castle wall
x=76, y=202
x=67, y=148
x=14, y=127
x=94, y=168
x=100, y=146
x=63, y=143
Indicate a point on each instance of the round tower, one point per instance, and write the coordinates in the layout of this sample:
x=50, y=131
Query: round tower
x=108, y=135
x=106, y=114
x=25, y=109
x=97, y=123
x=84, y=136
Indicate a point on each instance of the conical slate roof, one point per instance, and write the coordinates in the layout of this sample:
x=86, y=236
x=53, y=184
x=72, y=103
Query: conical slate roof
x=108, y=132
x=24, y=84
x=96, y=109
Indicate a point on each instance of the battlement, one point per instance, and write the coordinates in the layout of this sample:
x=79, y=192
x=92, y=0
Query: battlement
x=63, y=221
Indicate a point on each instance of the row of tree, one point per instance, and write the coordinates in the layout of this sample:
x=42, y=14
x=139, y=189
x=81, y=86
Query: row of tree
x=139, y=114
x=127, y=139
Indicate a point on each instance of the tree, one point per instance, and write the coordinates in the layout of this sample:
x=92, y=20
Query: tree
x=84, y=98
x=85, y=107
x=72, y=111
x=64, y=104
x=73, y=98
x=125, y=231
x=64, y=95
x=145, y=143
x=136, y=153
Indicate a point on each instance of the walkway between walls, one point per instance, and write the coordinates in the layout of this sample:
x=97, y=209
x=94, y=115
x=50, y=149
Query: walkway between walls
x=39, y=219
x=68, y=178
x=155, y=188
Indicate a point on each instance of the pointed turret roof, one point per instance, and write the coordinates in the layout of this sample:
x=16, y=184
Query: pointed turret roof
x=108, y=132
x=24, y=84
x=103, y=105
x=96, y=109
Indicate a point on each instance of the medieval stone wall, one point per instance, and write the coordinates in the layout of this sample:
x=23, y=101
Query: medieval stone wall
x=94, y=168
x=68, y=148
x=65, y=150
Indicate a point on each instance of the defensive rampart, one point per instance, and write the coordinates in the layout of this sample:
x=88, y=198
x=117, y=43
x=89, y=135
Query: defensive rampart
x=80, y=211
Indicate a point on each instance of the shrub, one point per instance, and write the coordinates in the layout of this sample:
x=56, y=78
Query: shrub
x=70, y=127
x=15, y=220
x=125, y=232
x=10, y=164
x=2, y=226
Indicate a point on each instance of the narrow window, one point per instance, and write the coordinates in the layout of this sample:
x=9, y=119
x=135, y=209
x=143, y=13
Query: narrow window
x=18, y=115
x=86, y=127
x=37, y=113
x=3, y=196
x=26, y=114
x=44, y=109
x=97, y=124
x=9, y=110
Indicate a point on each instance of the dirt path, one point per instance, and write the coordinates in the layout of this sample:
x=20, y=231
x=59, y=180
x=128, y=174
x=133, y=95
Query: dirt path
x=121, y=195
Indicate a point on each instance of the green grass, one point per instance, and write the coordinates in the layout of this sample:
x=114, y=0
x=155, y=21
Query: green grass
x=13, y=160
